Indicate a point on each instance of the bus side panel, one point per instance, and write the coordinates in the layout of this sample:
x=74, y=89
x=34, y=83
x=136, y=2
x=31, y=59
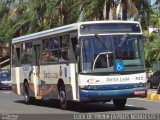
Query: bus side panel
x=49, y=77
x=15, y=78
x=33, y=79
x=48, y=82
x=30, y=74
x=18, y=76
x=74, y=83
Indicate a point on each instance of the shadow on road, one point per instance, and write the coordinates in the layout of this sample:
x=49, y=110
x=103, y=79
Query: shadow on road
x=82, y=107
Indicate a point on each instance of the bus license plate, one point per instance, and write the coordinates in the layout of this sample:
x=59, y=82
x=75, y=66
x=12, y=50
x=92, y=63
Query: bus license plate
x=138, y=92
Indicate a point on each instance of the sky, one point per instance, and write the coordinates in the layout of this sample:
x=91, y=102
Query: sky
x=152, y=1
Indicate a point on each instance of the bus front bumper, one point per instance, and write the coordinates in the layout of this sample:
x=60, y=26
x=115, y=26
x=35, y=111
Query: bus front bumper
x=102, y=95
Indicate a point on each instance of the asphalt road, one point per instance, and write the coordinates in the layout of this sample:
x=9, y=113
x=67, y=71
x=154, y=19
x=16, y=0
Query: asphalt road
x=13, y=104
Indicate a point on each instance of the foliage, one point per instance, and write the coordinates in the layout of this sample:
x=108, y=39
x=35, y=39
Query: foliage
x=152, y=52
x=152, y=49
x=5, y=22
x=154, y=37
x=31, y=16
x=144, y=12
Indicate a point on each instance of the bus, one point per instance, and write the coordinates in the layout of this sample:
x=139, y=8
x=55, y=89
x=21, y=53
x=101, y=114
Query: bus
x=93, y=61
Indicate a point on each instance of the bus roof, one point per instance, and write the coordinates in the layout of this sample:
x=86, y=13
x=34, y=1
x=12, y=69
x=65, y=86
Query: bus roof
x=62, y=29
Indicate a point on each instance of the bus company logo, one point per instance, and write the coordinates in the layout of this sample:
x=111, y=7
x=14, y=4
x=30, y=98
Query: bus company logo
x=50, y=75
x=117, y=79
x=25, y=67
x=92, y=81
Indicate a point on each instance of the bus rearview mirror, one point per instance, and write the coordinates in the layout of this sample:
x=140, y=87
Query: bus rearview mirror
x=77, y=50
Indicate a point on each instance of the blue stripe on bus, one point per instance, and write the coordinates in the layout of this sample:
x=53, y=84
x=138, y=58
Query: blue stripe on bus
x=101, y=95
x=113, y=86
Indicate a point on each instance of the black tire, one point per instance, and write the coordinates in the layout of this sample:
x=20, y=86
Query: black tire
x=62, y=98
x=27, y=98
x=119, y=103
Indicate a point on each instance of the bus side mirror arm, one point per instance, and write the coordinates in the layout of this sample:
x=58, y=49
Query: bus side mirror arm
x=77, y=50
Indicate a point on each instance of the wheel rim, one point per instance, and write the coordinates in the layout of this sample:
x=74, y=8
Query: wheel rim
x=149, y=85
x=26, y=95
x=62, y=97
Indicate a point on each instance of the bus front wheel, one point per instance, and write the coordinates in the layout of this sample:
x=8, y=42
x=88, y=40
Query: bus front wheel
x=62, y=98
x=119, y=103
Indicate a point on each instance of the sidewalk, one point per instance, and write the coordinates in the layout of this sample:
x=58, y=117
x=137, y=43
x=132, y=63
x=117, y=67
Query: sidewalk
x=152, y=95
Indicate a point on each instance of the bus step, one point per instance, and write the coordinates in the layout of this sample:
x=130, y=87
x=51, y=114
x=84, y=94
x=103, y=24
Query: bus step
x=38, y=97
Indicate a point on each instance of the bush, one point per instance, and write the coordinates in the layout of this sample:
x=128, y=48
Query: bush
x=154, y=37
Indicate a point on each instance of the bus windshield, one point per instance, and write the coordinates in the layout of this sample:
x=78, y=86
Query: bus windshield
x=101, y=52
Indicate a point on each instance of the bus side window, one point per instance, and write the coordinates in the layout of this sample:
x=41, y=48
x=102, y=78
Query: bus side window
x=54, y=52
x=18, y=56
x=64, y=49
x=45, y=53
x=13, y=55
x=27, y=54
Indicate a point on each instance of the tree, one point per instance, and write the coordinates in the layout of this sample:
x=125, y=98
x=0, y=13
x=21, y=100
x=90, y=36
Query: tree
x=155, y=18
x=5, y=20
x=111, y=9
x=152, y=52
x=38, y=15
x=32, y=16
x=68, y=11
x=97, y=10
x=144, y=12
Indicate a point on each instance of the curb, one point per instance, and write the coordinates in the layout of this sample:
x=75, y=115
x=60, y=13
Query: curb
x=153, y=96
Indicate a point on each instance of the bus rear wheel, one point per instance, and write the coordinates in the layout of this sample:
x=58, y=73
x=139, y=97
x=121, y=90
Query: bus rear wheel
x=27, y=98
x=119, y=103
x=62, y=98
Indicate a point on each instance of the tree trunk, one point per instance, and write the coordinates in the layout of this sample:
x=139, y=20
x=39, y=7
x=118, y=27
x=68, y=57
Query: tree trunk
x=124, y=9
x=118, y=8
x=107, y=9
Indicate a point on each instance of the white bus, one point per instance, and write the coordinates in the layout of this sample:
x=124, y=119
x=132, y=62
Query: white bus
x=94, y=61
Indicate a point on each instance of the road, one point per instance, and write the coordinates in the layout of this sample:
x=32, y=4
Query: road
x=13, y=104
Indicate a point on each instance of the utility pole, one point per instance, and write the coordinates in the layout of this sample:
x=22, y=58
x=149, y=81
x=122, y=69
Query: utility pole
x=149, y=19
x=1, y=43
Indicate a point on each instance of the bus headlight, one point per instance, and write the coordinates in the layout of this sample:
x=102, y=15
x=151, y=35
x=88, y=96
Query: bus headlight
x=140, y=84
x=82, y=86
x=89, y=87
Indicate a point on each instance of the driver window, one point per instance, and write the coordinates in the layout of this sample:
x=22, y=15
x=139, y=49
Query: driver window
x=101, y=62
x=104, y=61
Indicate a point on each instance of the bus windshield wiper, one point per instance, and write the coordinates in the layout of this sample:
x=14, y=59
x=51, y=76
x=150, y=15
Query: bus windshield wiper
x=124, y=38
x=101, y=41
